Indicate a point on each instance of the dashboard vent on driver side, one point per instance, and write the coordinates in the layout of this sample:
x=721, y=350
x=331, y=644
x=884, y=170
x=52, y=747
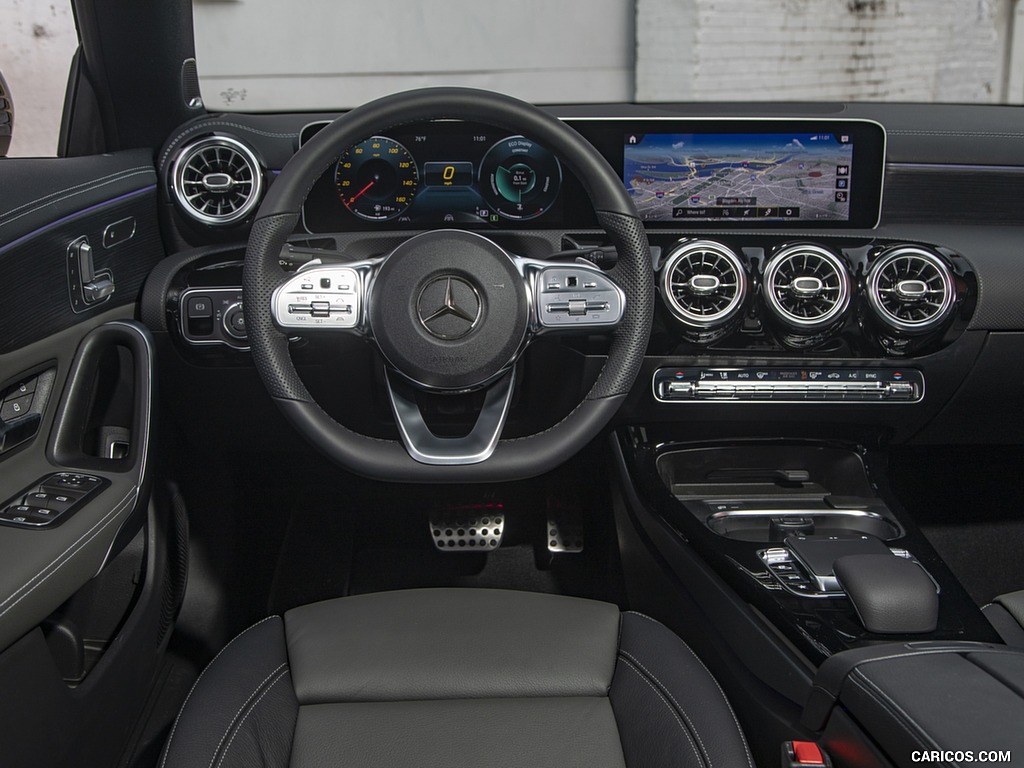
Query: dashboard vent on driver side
x=704, y=284
x=806, y=287
x=217, y=180
x=910, y=289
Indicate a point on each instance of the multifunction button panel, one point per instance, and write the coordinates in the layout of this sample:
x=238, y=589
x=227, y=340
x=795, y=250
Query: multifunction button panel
x=325, y=297
x=568, y=296
x=793, y=385
x=52, y=500
x=788, y=572
x=213, y=316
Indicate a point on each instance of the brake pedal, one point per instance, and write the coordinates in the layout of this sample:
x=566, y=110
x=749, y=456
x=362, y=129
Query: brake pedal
x=565, y=531
x=461, y=530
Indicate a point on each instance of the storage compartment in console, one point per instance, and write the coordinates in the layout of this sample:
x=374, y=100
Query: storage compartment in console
x=764, y=493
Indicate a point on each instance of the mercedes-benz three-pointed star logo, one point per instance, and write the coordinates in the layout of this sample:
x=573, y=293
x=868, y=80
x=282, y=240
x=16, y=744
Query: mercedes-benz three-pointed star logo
x=448, y=307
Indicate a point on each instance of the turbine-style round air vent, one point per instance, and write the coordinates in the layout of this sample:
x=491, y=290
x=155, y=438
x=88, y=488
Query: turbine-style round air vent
x=217, y=180
x=911, y=289
x=806, y=286
x=704, y=284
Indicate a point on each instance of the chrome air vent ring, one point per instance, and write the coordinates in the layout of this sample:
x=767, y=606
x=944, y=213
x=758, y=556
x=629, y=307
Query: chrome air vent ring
x=807, y=287
x=703, y=283
x=217, y=180
x=910, y=289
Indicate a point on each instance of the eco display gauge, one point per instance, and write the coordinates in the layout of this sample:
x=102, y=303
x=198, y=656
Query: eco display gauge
x=519, y=179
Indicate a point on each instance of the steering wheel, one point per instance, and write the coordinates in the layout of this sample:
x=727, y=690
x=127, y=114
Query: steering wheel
x=448, y=310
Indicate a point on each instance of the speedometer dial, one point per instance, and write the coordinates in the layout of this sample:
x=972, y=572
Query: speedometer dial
x=519, y=178
x=377, y=179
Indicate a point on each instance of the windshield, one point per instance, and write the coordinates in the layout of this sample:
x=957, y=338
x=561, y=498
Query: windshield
x=263, y=55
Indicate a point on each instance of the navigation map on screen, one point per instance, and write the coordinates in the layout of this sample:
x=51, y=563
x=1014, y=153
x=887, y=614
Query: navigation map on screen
x=737, y=177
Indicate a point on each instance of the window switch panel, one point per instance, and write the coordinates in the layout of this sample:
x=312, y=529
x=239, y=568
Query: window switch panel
x=52, y=500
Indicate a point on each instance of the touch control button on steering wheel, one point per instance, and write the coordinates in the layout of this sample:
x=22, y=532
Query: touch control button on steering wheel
x=449, y=310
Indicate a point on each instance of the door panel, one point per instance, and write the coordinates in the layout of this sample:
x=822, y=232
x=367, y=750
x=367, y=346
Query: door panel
x=46, y=205
x=52, y=334
x=77, y=395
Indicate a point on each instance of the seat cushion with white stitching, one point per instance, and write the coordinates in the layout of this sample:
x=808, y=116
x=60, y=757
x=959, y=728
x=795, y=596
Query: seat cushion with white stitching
x=452, y=678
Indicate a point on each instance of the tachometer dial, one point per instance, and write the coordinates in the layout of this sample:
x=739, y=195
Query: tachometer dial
x=519, y=178
x=377, y=179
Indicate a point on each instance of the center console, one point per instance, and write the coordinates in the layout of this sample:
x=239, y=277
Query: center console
x=807, y=534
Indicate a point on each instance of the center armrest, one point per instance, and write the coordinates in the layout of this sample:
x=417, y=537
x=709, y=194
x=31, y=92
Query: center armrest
x=911, y=697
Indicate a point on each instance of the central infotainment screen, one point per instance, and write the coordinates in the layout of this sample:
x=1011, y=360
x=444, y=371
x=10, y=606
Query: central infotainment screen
x=740, y=176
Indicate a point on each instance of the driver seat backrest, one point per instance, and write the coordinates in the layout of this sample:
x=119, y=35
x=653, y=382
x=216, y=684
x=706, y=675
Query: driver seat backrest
x=456, y=678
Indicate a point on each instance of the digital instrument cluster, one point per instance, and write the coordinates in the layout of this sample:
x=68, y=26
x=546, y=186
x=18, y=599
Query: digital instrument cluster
x=443, y=172
x=683, y=174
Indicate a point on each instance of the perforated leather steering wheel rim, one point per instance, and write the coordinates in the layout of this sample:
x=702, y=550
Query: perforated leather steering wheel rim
x=512, y=459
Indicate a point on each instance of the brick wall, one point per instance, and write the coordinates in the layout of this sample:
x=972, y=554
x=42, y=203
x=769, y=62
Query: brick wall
x=884, y=50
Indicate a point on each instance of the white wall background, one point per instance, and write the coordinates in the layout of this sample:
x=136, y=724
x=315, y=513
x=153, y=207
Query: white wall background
x=773, y=50
x=37, y=40
x=337, y=53
x=340, y=53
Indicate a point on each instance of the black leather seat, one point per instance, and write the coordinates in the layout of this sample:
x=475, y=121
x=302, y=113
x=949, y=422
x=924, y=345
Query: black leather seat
x=456, y=678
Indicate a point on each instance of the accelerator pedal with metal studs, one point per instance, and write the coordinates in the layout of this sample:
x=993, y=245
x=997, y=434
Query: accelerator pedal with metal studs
x=462, y=530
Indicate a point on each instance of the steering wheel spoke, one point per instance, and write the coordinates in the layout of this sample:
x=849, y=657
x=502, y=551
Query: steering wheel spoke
x=427, y=448
x=323, y=298
x=572, y=297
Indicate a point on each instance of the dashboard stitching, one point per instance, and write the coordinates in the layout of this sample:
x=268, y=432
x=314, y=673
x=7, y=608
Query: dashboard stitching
x=87, y=186
x=201, y=126
x=66, y=555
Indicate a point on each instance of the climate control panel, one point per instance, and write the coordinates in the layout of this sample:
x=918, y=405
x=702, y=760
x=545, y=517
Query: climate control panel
x=792, y=385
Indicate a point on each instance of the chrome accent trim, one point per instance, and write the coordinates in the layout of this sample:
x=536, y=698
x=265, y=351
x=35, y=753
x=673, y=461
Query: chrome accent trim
x=793, y=387
x=109, y=227
x=776, y=555
x=687, y=316
x=771, y=298
x=183, y=315
x=189, y=152
x=601, y=297
x=345, y=304
x=796, y=513
x=449, y=306
x=909, y=252
x=427, y=448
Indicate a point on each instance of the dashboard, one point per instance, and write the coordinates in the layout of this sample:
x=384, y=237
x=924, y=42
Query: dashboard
x=774, y=250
